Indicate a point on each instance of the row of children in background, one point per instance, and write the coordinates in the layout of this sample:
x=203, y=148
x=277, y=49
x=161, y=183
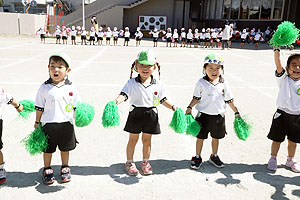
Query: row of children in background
x=57, y=123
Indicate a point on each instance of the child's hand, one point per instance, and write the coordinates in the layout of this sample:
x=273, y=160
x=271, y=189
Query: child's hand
x=174, y=107
x=237, y=115
x=19, y=108
x=188, y=110
x=36, y=125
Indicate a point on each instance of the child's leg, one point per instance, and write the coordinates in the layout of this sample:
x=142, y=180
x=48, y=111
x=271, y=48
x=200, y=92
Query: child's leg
x=1, y=158
x=133, y=138
x=214, y=146
x=64, y=158
x=275, y=148
x=291, y=149
x=47, y=159
x=199, y=145
x=146, y=139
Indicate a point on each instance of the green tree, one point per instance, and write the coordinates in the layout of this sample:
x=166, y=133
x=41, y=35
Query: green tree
x=1, y=3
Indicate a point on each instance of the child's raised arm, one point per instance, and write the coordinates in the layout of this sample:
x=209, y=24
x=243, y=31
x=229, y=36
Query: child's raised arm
x=277, y=60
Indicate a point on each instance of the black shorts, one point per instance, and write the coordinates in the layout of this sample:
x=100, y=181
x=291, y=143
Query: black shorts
x=169, y=39
x=207, y=39
x=142, y=119
x=107, y=38
x=155, y=39
x=127, y=39
x=243, y=40
x=176, y=40
x=116, y=38
x=43, y=36
x=58, y=37
x=255, y=41
x=73, y=37
x=138, y=39
x=61, y=135
x=182, y=39
x=92, y=38
x=214, y=39
x=99, y=38
x=1, y=128
x=64, y=37
x=196, y=40
x=202, y=40
x=83, y=37
x=285, y=124
x=189, y=41
x=213, y=124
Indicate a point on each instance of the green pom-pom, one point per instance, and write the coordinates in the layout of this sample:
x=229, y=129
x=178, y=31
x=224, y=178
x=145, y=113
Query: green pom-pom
x=111, y=117
x=84, y=114
x=28, y=107
x=36, y=142
x=286, y=34
x=241, y=128
x=193, y=127
x=178, y=123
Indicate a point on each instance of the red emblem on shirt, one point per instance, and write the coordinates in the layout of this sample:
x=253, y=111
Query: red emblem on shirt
x=155, y=93
x=70, y=93
x=223, y=91
x=2, y=90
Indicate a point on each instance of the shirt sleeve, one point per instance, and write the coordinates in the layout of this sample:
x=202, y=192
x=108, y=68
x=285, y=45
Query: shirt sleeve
x=197, y=91
x=77, y=97
x=126, y=91
x=40, y=100
x=5, y=97
x=280, y=77
x=228, y=96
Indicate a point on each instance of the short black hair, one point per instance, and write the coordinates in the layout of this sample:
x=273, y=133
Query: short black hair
x=291, y=57
x=58, y=59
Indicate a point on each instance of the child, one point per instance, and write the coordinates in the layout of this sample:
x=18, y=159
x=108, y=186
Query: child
x=257, y=39
x=155, y=35
x=108, y=35
x=196, y=38
x=55, y=104
x=42, y=34
x=145, y=93
x=286, y=120
x=211, y=95
x=175, y=37
x=189, y=38
x=169, y=36
x=243, y=38
x=116, y=36
x=138, y=36
x=83, y=36
x=57, y=34
x=73, y=35
x=219, y=40
x=100, y=36
x=5, y=98
x=92, y=36
x=64, y=35
x=126, y=36
x=214, y=36
x=182, y=37
x=207, y=38
x=202, y=38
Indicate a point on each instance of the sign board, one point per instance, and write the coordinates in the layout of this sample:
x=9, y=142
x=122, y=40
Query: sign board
x=152, y=22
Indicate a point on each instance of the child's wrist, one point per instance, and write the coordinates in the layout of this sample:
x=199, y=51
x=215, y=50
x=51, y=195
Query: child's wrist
x=16, y=107
x=189, y=107
x=36, y=122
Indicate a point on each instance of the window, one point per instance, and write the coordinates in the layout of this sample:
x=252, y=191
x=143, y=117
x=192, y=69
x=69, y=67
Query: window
x=278, y=9
x=245, y=8
x=254, y=9
x=219, y=9
x=212, y=9
x=235, y=7
x=226, y=9
x=266, y=9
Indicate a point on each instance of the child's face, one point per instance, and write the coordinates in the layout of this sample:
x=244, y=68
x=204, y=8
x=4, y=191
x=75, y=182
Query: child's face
x=294, y=68
x=213, y=71
x=145, y=71
x=58, y=71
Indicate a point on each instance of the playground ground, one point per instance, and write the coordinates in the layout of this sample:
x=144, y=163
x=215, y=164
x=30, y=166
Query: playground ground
x=97, y=163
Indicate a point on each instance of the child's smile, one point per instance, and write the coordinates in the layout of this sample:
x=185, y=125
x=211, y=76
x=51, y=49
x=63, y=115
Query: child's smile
x=294, y=68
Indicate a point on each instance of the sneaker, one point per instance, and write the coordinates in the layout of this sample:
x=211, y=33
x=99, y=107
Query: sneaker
x=2, y=175
x=48, y=177
x=196, y=162
x=65, y=174
x=215, y=160
x=131, y=169
x=272, y=164
x=293, y=166
x=146, y=168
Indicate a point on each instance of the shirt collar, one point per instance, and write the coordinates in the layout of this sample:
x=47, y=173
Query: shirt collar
x=221, y=79
x=67, y=82
x=138, y=79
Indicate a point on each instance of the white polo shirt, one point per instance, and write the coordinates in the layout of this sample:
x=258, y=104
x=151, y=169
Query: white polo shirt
x=140, y=95
x=168, y=35
x=4, y=98
x=155, y=34
x=183, y=34
x=175, y=35
x=92, y=33
x=57, y=103
x=108, y=34
x=288, y=98
x=100, y=34
x=189, y=36
x=116, y=33
x=57, y=32
x=127, y=34
x=212, y=97
x=73, y=33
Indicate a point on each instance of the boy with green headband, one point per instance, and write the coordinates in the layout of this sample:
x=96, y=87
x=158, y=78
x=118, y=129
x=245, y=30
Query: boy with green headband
x=55, y=105
x=145, y=93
